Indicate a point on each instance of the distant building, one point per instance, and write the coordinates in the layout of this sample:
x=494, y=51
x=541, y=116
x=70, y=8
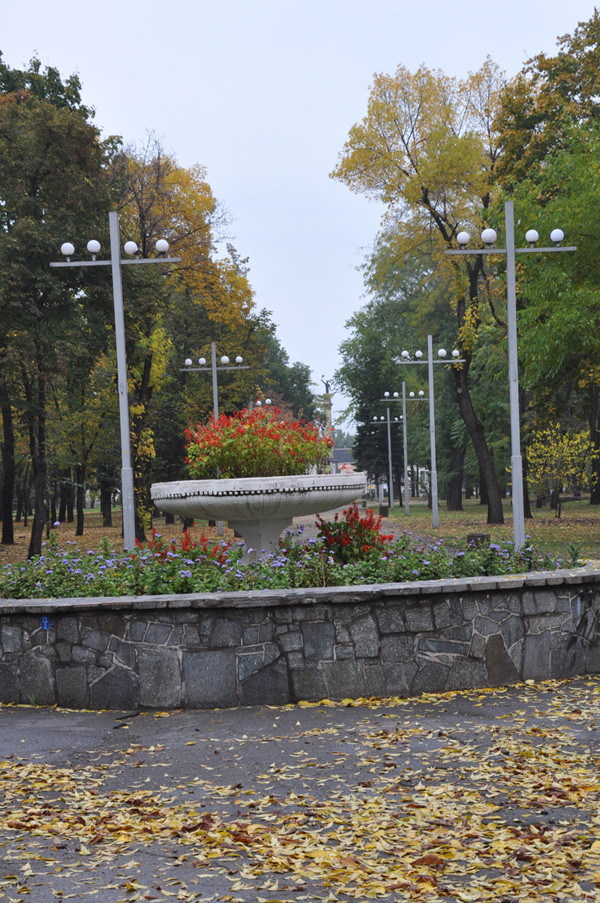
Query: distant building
x=343, y=460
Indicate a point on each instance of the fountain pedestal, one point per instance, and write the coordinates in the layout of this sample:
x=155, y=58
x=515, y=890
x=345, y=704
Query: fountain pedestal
x=259, y=508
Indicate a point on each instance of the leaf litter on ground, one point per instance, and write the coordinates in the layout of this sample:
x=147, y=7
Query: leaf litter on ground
x=425, y=813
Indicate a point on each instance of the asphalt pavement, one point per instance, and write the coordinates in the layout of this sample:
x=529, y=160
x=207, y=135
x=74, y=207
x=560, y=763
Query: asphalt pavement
x=479, y=795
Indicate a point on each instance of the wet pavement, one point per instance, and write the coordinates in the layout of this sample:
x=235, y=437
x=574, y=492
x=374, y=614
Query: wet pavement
x=477, y=795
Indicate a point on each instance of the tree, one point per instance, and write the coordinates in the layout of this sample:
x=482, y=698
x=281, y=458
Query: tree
x=51, y=180
x=427, y=149
x=557, y=459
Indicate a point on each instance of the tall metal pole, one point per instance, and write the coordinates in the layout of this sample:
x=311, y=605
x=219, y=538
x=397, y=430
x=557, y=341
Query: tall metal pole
x=434, y=486
x=513, y=380
x=126, y=468
x=404, y=430
x=391, y=480
x=213, y=363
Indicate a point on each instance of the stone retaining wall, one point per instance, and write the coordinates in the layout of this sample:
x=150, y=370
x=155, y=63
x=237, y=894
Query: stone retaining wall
x=275, y=647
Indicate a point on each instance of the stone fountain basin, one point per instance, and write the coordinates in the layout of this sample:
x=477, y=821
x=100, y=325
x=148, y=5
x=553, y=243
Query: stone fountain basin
x=259, y=508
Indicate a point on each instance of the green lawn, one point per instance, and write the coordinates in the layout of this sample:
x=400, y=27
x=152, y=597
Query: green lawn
x=580, y=523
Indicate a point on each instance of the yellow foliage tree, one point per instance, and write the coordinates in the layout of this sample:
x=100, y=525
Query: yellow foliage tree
x=427, y=149
x=557, y=459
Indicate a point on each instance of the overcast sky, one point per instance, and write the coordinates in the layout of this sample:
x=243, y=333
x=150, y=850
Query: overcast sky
x=263, y=93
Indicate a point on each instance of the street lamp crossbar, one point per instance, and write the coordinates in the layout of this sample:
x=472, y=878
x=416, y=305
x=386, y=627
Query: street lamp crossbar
x=488, y=237
x=108, y=263
x=517, y=250
x=209, y=369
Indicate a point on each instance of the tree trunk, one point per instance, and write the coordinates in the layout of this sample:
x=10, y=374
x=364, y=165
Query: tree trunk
x=69, y=499
x=486, y=465
x=454, y=493
x=595, y=441
x=8, y=475
x=105, y=505
x=483, y=493
x=35, y=392
x=526, y=501
x=62, y=507
x=80, y=497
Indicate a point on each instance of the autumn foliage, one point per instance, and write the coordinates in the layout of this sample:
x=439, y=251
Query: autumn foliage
x=257, y=443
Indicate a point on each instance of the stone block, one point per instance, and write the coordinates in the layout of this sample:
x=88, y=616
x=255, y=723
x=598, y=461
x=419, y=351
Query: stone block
x=469, y=608
x=419, y=620
x=290, y=641
x=295, y=660
x=125, y=652
x=250, y=635
x=88, y=620
x=458, y=614
x=71, y=686
x=267, y=632
x=448, y=647
x=342, y=634
x=344, y=679
x=466, y=675
x=160, y=678
x=376, y=680
x=269, y=686
x=478, y=647
x=513, y=630
x=283, y=615
x=396, y=679
x=36, y=679
x=186, y=617
x=11, y=638
x=484, y=605
x=318, y=637
x=176, y=637
x=112, y=623
x=272, y=652
x=344, y=651
x=210, y=678
x=485, y=626
x=431, y=678
x=94, y=639
x=464, y=632
x=310, y=613
x=365, y=637
x=64, y=652
x=308, y=685
x=539, y=623
x=536, y=657
x=570, y=660
x=116, y=689
x=390, y=620
x=191, y=636
x=157, y=633
x=106, y=660
x=9, y=683
x=442, y=615
x=226, y=633
x=545, y=601
x=136, y=630
x=344, y=615
x=592, y=659
x=81, y=655
x=500, y=666
x=248, y=664
x=94, y=673
x=397, y=648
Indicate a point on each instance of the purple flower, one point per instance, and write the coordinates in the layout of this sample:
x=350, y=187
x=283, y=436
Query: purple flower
x=57, y=523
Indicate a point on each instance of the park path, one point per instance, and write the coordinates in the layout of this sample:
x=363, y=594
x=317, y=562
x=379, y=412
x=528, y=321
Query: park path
x=473, y=795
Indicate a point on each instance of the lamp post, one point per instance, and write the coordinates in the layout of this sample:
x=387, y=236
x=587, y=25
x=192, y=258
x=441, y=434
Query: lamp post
x=383, y=422
x=488, y=237
x=239, y=361
x=456, y=359
x=403, y=418
x=116, y=263
x=239, y=365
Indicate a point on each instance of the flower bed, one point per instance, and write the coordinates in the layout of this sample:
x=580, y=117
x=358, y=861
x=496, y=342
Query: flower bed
x=258, y=443
x=347, y=553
